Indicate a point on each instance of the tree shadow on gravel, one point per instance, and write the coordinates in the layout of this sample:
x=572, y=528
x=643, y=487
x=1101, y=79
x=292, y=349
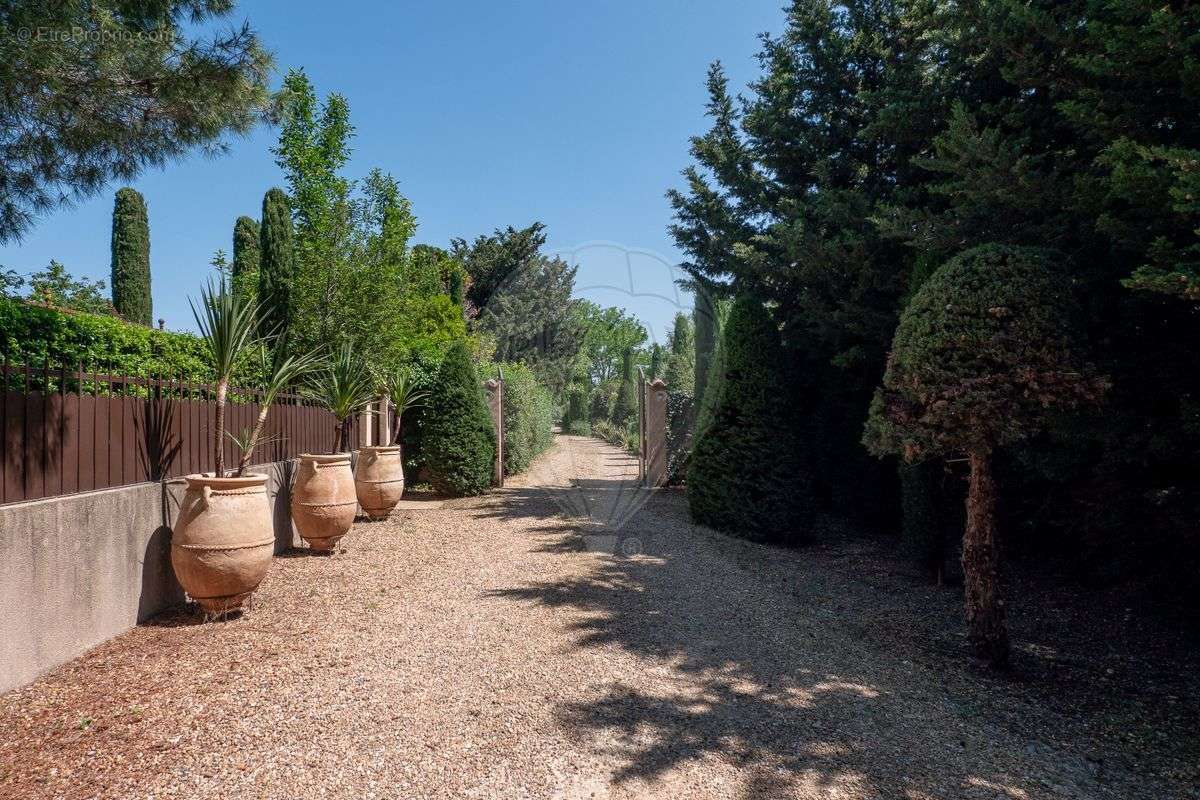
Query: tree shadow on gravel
x=766, y=666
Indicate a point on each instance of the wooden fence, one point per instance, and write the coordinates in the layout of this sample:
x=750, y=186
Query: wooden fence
x=71, y=430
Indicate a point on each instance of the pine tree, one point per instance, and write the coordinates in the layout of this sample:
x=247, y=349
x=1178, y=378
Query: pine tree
x=246, y=248
x=980, y=360
x=458, y=440
x=276, y=263
x=131, y=258
x=744, y=476
x=149, y=82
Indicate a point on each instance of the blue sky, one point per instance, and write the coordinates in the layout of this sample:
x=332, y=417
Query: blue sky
x=489, y=114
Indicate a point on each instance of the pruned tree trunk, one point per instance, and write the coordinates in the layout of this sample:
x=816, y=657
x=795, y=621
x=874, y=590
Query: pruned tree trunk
x=344, y=436
x=219, y=443
x=981, y=561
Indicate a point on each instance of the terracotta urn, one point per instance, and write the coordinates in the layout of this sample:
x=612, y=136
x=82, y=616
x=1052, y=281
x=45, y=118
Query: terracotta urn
x=223, y=540
x=379, y=480
x=323, y=500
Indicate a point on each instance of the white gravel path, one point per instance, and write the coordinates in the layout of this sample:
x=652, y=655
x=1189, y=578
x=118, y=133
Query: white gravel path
x=497, y=648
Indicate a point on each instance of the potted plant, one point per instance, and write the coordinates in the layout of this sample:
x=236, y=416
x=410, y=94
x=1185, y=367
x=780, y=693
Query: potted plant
x=223, y=539
x=379, y=473
x=324, y=501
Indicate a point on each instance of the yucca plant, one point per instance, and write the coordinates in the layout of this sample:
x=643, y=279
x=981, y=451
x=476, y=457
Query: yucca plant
x=228, y=326
x=344, y=385
x=404, y=394
x=281, y=370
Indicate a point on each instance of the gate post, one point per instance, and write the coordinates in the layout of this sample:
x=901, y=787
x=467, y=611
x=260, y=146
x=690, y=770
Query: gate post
x=495, y=397
x=641, y=394
x=365, y=427
x=656, y=432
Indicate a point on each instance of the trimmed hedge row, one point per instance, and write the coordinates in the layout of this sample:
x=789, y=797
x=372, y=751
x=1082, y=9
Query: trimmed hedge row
x=35, y=334
x=529, y=413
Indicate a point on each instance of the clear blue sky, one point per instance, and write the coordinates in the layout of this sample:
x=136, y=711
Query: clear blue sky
x=489, y=114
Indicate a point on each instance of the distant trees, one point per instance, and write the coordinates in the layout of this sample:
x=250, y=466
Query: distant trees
x=131, y=258
x=139, y=90
x=246, y=249
x=980, y=360
x=625, y=405
x=680, y=372
x=491, y=259
x=608, y=333
x=57, y=287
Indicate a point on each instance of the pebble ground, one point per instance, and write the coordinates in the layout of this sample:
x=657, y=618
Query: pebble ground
x=568, y=637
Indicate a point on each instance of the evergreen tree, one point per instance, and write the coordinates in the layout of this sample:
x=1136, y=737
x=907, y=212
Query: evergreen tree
x=625, y=406
x=980, y=359
x=141, y=89
x=490, y=260
x=744, y=476
x=680, y=374
x=246, y=244
x=457, y=436
x=131, y=258
x=656, y=361
x=276, y=265
x=704, y=317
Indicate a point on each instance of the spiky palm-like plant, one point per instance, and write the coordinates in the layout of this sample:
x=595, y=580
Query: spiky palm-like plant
x=281, y=370
x=228, y=326
x=344, y=385
x=404, y=394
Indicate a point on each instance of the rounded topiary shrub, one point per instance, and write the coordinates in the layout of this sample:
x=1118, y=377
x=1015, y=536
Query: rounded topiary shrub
x=744, y=476
x=458, y=441
x=981, y=359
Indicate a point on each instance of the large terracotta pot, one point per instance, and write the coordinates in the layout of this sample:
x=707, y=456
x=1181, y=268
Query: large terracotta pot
x=379, y=480
x=323, y=500
x=223, y=540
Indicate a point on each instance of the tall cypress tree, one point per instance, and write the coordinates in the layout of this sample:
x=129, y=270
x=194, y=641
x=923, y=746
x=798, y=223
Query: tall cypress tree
x=681, y=369
x=276, y=261
x=131, y=257
x=625, y=409
x=246, y=248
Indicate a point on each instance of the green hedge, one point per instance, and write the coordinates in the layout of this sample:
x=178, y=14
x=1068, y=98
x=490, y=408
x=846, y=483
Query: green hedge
x=529, y=413
x=35, y=334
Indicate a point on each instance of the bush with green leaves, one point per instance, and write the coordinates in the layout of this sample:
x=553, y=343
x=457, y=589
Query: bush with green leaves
x=528, y=415
x=624, y=438
x=744, y=476
x=600, y=401
x=458, y=441
x=34, y=335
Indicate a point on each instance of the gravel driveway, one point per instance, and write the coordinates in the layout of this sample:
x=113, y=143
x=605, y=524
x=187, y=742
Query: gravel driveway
x=497, y=648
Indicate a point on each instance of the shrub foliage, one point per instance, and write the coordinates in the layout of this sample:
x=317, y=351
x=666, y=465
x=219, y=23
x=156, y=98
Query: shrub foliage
x=744, y=477
x=457, y=439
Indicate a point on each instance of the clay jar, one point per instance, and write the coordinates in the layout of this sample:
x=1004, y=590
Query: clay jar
x=223, y=540
x=323, y=500
x=379, y=480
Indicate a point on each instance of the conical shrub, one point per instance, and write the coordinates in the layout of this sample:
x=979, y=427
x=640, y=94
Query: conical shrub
x=457, y=436
x=745, y=477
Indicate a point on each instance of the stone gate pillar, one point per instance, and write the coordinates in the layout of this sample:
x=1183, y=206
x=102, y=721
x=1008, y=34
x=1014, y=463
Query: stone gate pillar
x=495, y=397
x=385, y=420
x=656, y=432
x=365, y=428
